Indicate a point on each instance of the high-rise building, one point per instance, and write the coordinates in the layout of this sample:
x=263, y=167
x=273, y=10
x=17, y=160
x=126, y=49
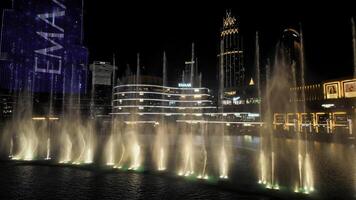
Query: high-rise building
x=231, y=54
x=190, y=72
x=235, y=93
x=103, y=74
x=42, y=47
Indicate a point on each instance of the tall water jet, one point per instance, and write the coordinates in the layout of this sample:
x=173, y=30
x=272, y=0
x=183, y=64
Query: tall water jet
x=123, y=149
x=80, y=146
x=223, y=159
x=160, y=147
x=308, y=183
x=110, y=146
x=23, y=127
x=187, y=167
x=11, y=147
x=204, y=129
x=135, y=156
x=134, y=148
x=262, y=159
x=266, y=155
x=267, y=175
x=90, y=143
x=110, y=151
x=48, y=152
x=119, y=141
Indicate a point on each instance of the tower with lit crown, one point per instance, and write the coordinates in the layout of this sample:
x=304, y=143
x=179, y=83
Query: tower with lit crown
x=231, y=52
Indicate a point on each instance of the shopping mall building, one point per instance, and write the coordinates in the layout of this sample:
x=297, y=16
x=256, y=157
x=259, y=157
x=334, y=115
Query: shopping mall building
x=149, y=101
x=329, y=107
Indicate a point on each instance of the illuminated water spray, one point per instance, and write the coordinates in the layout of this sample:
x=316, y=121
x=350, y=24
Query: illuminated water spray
x=136, y=157
x=67, y=149
x=119, y=165
x=161, y=164
x=187, y=167
x=110, y=151
x=308, y=180
x=48, y=153
x=89, y=156
x=263, y=166
x=223, y=163
x=203, y=174
x=82, y=149
x=30, y=149
x=160, y=148
x=11, y=148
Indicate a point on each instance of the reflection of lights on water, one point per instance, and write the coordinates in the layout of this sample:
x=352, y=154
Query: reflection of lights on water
x=189, y=173
x=269, y=186
x=206, y=177
x=305, y=190
x=223, y=177
x=275, y=187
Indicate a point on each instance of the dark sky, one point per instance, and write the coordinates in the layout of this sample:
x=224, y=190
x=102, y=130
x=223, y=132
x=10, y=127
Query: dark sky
x=150, y=28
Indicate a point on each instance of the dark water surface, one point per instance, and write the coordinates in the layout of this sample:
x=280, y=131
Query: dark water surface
x=47, y=182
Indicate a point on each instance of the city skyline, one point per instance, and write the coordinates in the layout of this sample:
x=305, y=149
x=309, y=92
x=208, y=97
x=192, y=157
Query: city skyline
x=170, y=30
x=112, y=28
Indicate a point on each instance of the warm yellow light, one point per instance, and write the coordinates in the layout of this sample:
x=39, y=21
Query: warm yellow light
x=53, y=118
x=38, y=118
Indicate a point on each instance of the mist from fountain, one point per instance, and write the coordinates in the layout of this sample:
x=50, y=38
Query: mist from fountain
x=284, y=75
x=22, y=128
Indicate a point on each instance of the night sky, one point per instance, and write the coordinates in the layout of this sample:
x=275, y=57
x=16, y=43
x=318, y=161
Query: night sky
x=149, y=28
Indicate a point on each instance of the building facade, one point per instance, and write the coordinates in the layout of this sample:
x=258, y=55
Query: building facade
x=150, y=101
x=102, y=76
x=329, y=107
x=42, y=47
x=231, y=53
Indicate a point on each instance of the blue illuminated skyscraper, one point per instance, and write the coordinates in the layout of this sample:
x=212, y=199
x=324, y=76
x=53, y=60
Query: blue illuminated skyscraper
x=42, y=47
